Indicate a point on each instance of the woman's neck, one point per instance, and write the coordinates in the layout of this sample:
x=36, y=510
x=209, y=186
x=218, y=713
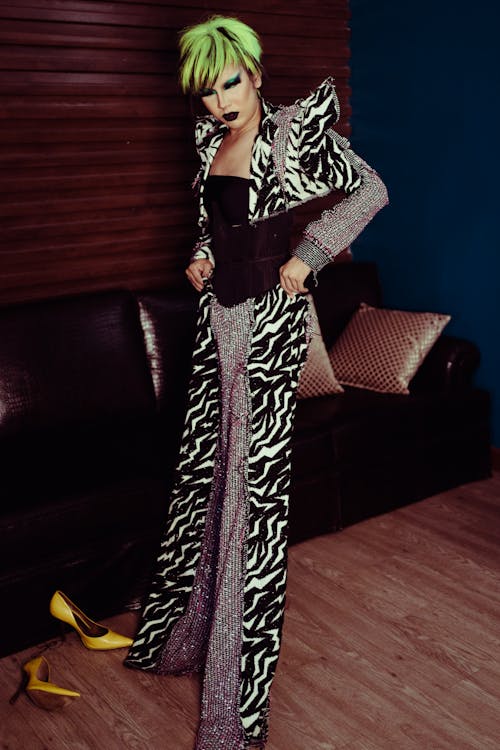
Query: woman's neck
x=250, y=127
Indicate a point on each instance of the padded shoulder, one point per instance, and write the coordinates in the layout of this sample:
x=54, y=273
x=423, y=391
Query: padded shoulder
x=321, y=108
x=312, y=126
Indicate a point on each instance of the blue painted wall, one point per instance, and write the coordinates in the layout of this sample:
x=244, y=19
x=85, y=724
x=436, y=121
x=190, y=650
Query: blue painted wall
x=426, y=90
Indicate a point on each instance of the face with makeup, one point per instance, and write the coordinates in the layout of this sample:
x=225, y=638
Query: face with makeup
x=233, y=98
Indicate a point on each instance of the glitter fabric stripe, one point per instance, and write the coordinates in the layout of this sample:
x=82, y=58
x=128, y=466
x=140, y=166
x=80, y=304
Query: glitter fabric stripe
x=220, y=725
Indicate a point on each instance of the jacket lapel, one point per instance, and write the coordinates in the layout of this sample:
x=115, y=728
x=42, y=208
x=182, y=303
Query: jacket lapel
x=261, y=155
x=267, y=195
x=207, y=148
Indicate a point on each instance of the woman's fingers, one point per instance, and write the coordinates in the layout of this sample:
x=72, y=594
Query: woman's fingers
x=197, y=272
x=292, y=284
x=194, y=279
x=292, y=276
x=288, y=286
x=298, y=285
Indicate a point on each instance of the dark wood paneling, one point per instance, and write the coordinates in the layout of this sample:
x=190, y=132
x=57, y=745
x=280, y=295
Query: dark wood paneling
x=96, y=147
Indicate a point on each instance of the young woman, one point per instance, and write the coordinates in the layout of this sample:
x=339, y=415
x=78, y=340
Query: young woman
x=216, y=602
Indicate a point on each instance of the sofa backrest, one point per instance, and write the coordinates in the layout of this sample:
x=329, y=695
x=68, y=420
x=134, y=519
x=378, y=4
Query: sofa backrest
x=341, y=289
x=72, y=359
x=168, y=320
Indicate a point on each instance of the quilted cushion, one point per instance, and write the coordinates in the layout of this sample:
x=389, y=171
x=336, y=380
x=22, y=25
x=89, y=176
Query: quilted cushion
x=382, y=349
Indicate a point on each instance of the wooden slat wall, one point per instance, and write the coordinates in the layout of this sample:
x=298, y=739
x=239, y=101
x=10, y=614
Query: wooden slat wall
x=97, y=155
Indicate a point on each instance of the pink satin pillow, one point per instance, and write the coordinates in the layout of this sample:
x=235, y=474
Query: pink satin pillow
x=382, y=349
x=317, y=377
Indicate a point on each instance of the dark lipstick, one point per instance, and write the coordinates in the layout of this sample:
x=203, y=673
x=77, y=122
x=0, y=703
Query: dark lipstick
x=230, y=116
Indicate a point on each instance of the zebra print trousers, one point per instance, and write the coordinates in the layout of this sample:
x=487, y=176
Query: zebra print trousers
x=217, y=598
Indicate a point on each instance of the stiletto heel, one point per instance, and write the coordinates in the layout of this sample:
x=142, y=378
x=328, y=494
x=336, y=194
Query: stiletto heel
x=20, y=689
x=37, y=686
x=93, y=635
x=62, y=630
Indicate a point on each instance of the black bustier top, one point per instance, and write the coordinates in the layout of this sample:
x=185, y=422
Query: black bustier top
x=247, y=256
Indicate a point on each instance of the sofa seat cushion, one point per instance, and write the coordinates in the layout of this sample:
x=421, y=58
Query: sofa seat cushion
x=81, y=521
x=362, y=422
x=46, y=465
x=311, y=453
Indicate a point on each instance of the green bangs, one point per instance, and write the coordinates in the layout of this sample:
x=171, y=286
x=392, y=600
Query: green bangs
x=208, y=47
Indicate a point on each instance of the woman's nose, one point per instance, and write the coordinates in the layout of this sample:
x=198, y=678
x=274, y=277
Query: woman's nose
x=222, y=99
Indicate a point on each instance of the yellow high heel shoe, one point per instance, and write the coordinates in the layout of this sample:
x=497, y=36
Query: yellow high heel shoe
x=92, y=634
x=40, y=690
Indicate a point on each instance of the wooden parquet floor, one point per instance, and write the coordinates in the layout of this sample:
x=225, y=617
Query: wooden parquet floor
x=391, y=642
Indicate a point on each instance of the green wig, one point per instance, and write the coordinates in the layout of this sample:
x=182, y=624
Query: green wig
x=208, y=47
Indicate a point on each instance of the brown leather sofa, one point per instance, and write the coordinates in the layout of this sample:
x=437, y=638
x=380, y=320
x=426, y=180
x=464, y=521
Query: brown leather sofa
x=92, y=399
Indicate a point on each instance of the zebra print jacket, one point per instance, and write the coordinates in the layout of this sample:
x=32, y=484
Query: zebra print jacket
x=297, y=156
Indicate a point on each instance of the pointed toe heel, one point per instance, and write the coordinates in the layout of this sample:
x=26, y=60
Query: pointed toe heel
x=93, y=635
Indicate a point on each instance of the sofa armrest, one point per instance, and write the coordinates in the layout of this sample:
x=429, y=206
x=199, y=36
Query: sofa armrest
x=449, y=366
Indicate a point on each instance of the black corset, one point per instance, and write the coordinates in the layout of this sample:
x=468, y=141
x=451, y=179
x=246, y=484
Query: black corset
x=247, y=256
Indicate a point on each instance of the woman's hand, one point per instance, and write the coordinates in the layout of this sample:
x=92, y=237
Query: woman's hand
x=199, y=270
x=293, y=274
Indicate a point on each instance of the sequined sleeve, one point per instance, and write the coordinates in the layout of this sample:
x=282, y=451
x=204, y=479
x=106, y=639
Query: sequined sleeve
x=326, y=157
